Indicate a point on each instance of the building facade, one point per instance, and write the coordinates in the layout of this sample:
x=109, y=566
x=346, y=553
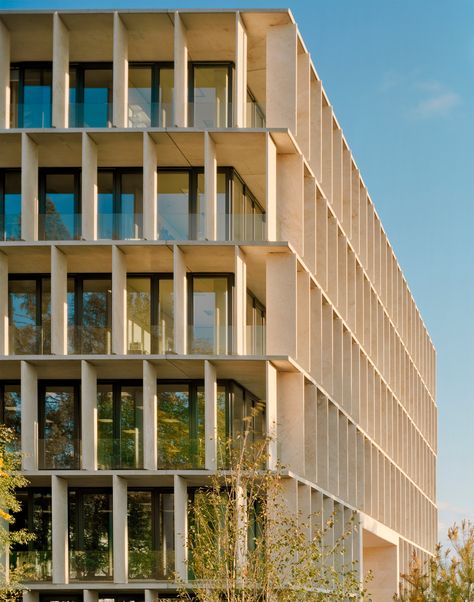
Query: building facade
x=185, y=235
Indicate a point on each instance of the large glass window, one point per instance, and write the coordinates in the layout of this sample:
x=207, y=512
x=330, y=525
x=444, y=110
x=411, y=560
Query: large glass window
x=209, y=313
x=255, y=325
x=247, y=216
x=120, y=424
x=59, y=204
x=150, y=95
x=10, y=410
x=90, y=95
x=35, y=515
x=210, y=91
x=89, y=310
x=90, y=534
x=150, y=534
x=180, y=432
x=150, y=313
x=120, y=204
x=30, y=95
x=255, y=115
x=29, y=311
x=59, y=424
x=10, y=204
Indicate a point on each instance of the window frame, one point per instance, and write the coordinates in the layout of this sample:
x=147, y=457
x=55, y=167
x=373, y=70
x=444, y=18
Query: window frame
x=230, y=74
x=80, y=68
x=22, y=66
x=156, y=67
x=43, y=172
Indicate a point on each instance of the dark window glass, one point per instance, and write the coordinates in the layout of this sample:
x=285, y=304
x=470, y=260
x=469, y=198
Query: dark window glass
x=10, y=410
x=59, y=425
x=31, y=95
x=10, y=205
x=150, y=534
x=59, y=217
x=90, y=95
x=120, y=204
x=211, y=96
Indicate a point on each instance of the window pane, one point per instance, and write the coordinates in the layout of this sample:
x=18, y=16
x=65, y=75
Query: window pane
x=105, y=426
x=37, y=98
x=166, y=316
x=139, y=315
x=139, y=97
x=173, y=205
x=131, y=427
x=11, y=412
x=222, y=212
x=238, y=209
x=96, y=315
x=165, y=118
x=209, y=333
x=25, y=335
x=173, y=426
x=105, y=204
x=131, y=217
x=12, y=214
x=59, y=447
x=14, y=97
x=97, y=97
x=46, y=315
x=58, y=215
x=211, y=90
x=222, y=426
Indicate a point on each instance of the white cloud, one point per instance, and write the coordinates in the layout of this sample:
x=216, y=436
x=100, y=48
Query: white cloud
x=438, y=104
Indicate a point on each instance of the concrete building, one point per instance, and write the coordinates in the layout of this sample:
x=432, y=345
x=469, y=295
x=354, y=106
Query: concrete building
x=186, y=235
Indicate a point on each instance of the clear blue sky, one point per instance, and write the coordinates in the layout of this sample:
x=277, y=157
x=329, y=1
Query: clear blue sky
x=400, y=76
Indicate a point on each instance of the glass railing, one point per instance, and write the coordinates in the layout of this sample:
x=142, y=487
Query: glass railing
x=209, y=340
x=60, y=226
x=230, y=227
x=204, y=114
x=10, y=227
x=145, y=115
x=123, y=454
x=90, y=565
x=90, y=114
x=247, y=227
x=255, y=340
x=255, y=117
x=35, y=564
x=128, y=226
x=150, y=564
x=59, y=451
x=31, y=115
x=29, y=340
x=94, y=340
x=159, y=340
x=176, y=451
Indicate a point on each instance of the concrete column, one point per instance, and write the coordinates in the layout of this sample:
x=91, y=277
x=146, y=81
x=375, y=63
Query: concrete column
x=290, y=204
x=149, y=416
x=120, y=530
x=210, y=187
x=240, y=95
x=29, y=416
x=304, y=103
x=271, y=190
x=58, y=302
x=309, y=223
x=180, y=527
x=29, y=596
x=4, y=76
x=180, y=302
x=240, y=303
x=119, y=302
x=180, y=99
x=3, y=304
x=303, y=319
x=60, y=116
x=89, y=188
x=326, y=161
x=281, y=77
x=120, y=91
x=29, y=188
x=291, y=420
x=90, y=596
x=150, y=595
x=60, y=530
x=210, y=394
x=89, y=415
x=281, y=308
x=271, y=414
x=316, y=126
x=150, y=209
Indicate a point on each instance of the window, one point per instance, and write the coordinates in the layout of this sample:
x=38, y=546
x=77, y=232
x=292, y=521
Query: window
x=34, y=515
x=255, y=116
x=210, y=95
x=209, y=313
x=89, y=310
x=248, y=217
x=29, y=312
x=10, y=410
x=59, y=204
x=120, y=424
x=10, y=204
x=120, y=204
x=59, y=424
x=255, y=326
x=30, y=94
x=90, y=534
x=90, y=95
x=150, y=534
x=150, y=327
x=150, y=94
x=180, y=432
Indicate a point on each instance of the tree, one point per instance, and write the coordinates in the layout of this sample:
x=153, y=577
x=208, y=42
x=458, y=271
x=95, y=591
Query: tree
x=245, y=544
x=10, y=481
x=448, y=576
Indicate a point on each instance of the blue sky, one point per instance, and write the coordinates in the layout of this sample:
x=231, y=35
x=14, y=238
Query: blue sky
x=400, y=76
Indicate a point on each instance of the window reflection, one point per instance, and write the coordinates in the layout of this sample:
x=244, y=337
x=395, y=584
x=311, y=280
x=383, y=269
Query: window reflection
x=59, y=205
x=90, y=95
x=30, y=94
x=150, y=95
x=10, y=411
x=255, y=325
x=211, y=96
x=10, y=204
x=120, y=204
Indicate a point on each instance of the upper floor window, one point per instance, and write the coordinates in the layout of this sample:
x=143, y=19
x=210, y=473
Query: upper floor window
x=150, y=94
x=120, y=203
x=255, y=325
x=30, y=95
x=90, y=95
x=255, y=116
x=10, y=410
x=210, y=95
x=59, y=204
x=10, y=204
x=29, y=314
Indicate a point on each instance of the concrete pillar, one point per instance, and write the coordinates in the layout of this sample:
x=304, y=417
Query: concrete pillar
x=180, y=527
x=4, y=76
x=89, y=415
x=150, y=208
x=29, y=596
x=290, y=194
x=303, y=319
x=150, y=595
x=29, y=416
x=281, y=308
x=120, y=91
x=240, y=95
x=59, y=503
x=210, y=188
x=60, y=73
x=89, y=188
x=271, y=190
x=316, y=147
x=90, y=596
x=29, y=188
x=240, y=303
x=210, y=394
x=327, y=139
x=281, y=77
x=180, y=98
x=309, y=223
x=3, y=304
x=304, y=103
x=271, y=414
x=180, y=302
x=291, y=420
x=58, y=302
x=119, y=302
x=149, y=416
x=120, y=530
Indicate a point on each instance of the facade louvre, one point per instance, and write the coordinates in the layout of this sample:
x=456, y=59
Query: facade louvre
x=185, y=235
